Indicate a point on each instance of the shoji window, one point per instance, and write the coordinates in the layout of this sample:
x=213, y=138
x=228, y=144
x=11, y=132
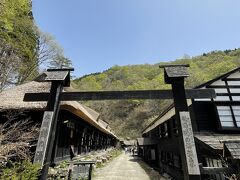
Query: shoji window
x=235, y=90
x=225, y=116
x=236, y=111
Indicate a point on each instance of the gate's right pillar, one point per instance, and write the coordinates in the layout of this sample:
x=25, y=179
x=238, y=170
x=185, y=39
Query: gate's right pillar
x=174, y=75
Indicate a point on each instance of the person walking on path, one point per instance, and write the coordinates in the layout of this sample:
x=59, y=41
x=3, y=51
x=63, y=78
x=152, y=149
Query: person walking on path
x=133, y=149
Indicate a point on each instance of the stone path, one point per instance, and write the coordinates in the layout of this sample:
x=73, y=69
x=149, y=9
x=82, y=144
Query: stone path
x=124, y=167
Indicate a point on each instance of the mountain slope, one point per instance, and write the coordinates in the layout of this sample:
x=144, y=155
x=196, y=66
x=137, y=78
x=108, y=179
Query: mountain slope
x=128, y=117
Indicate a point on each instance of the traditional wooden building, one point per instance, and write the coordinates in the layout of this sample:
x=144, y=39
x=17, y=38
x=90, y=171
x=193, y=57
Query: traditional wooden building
x=80, y=130
x=147, y=148
x=216, y=128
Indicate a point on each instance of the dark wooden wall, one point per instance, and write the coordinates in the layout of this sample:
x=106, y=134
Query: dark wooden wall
x=205, y=116
x=86, y=138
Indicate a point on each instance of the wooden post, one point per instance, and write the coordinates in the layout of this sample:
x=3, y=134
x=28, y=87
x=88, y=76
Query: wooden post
x=95, y=140
x=175, y=76
x=98, y=141
x=48, y=129
x=44, y=150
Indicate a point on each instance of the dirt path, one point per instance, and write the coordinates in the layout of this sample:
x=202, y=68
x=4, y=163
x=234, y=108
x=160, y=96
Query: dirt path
x=124, y=167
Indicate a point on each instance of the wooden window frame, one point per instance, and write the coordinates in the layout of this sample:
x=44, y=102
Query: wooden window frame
x=227, y=104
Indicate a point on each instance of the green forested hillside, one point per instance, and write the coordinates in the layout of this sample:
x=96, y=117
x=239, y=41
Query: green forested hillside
x=128, y=117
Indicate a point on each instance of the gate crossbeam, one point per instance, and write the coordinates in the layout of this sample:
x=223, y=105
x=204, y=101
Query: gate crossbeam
x=117, y=95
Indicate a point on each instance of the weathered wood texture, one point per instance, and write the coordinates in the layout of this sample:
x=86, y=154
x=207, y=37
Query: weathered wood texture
x=188, y=141
x=234, y=148
x=117, y=95
x=178, y=71
x=213, y=170
x=43, y=137
x=188, y=151
x=48, y=129
x=175, y=76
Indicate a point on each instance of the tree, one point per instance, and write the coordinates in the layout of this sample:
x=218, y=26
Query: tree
x=49, y=55
x=9, y=63
x=60, y=62
x=24, y=49
x=18, y=41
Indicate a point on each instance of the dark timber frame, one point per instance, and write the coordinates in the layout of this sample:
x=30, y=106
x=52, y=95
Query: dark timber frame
x=49, y=124
x=111, y=95
x=174, y=74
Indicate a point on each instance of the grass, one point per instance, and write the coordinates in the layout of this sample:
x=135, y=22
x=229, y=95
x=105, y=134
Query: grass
x=21, y=170
x=115, y=153
x=99, y=165
x=63, y=164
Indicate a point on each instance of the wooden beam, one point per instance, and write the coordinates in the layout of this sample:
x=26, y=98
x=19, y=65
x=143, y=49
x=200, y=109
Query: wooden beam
x=117, y=95
x=213, y=170
x=232, y=79
x=226, y=103
x=228, y=94
x=62, y=69
x=46, y=138
x=223, y=86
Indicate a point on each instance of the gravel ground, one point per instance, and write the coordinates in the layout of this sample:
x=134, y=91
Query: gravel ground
x=125, y=167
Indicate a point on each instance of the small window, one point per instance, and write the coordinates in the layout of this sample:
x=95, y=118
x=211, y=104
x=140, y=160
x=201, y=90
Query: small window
x=221, y=90
x=202, y=99
x=225, y=116
x=233, y=83
x=219, y=82
x=222, y=98
x=234, y=90
x=236, y=98
x=236, y=111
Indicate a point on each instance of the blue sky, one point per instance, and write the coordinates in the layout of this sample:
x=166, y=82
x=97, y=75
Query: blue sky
x=97, y=34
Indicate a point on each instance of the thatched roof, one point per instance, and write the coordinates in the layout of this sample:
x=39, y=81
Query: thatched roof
x=12, y=99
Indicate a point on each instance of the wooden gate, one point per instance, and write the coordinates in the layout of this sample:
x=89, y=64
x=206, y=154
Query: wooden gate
x=173, y=74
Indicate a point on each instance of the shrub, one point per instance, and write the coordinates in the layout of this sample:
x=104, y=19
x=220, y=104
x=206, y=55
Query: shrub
x=21, y=170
